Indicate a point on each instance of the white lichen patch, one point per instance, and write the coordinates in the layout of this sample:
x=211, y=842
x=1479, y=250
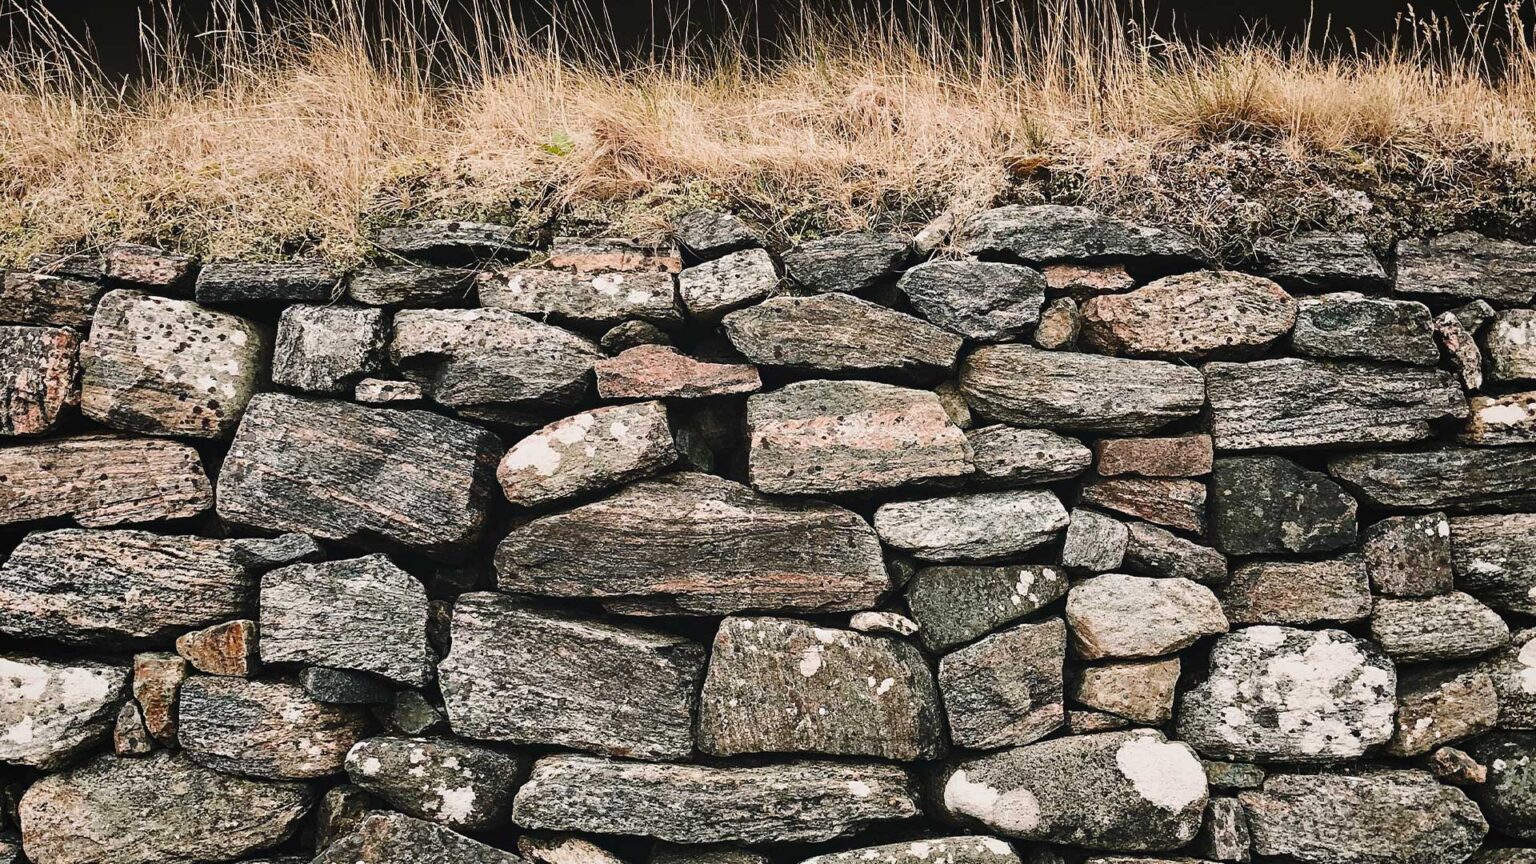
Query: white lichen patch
x=1162, y=772
x=457, y=804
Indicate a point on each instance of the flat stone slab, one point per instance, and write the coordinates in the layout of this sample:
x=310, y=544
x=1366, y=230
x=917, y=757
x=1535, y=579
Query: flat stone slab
x=613, y=254
x=713, y=288
x=305, y=282
x=270, y=729
x=1439, y=706
x=1174, y=503
x=1206, y=313
x=840, y=333
x=410, y=285
x=951, y=850
x=461, y=785
x=1500, y=420
x=1269, y=504
x=1025, y=386
x=711, y=234
x=954, y=604
x=1152, y=551
x=1298, y=592
x=586, y=453
x=1321, y=261
x=1005, y=690
x=1494, y=559
x=1176, y=456
x=1353, y=325
x=39, y=378
x=54, y=711
x=394, y=838
x=1467, y=265
x=1009, y=456
x=1140, y=691
x=99, y=480
x=1457, y=479
x=850, y=262
x=583, y=300
x=975, y=527
x=452, y=240
x=661, y=372
x=1452, y=626
x=983, y=300
x=1043, y=233
x=1116, y=615
x=48, y=299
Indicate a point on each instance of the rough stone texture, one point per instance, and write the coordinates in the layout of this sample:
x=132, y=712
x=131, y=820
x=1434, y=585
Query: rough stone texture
x=980, y=300
x=785, y=802
x=1224, y=834
x=564, y=849
x=393, y=838
x=1457, y=479
x=840, y=333
x=319, y=467
x=1369, y=328
x=704, y=545
x=54, y=711
x=344, y=687
x=1116, y=615
x=1009, y=456
x=363, y=614
x=1290, y=402
x=1047, y=233
x=326, y=349
x=1208, y=313
x=1173, y=503
x=1116, y=790
x=450, y=240
x=169, y=367
x=1087, y=280
x=582, y=300
x=739, y=279
x=223, y=649
x=1061, y=324
x=463, y=786
x=660, y=372
x=632, y=334
x=121, y=588
x=1178, y=456
x=828, y=437
x=1456, y=768
x=1006, y=690
x=946, y=850
x=955, y=604
x=777, y=685
x=269, y=729
x=129, y=735
x=39, y=378
x=409, y=713
x=1444, y=627
x=614, y=254
x=1461, y=346
x=267, y=283
x=1029, y=387
x=845, y=262
x=378, y=391
x=1495, y=420
x=1494, y=559
x=710, y=234
x=48, y=299
x=148, y=266
x=1384, y=817
x=1410, y=556
x=341, y=810
x=1508, y=798
x=1298, y=592
x=1152, y=551
x=1233, y=775
x=883, y=622
x=1095, y=543
x=410, y=285
x=1141, y=692
x=1438, y=706
x=1280, y=694
x=587, y=452
x=527, y=675
x=1509, y=342
x=1267, y=504
x=157, y=679
x=1464, y=264
x=1321, y=260
x=100, y=480
x=979, y=526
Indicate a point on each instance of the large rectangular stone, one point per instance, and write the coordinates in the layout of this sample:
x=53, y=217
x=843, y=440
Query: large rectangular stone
x=1061, y=390
x=101, y=480
x=1459, y=479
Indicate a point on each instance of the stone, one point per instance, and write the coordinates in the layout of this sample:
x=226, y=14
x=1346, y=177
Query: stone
x=528, y=675
x=1456, y=768
x=661, y=372
x=1224, y=834
x=954, y=405
x=1045, y=233
x=55, y=711
x=981, y=300
x=1298, y=592
x=1007, y=456
x=1233, y=775
x=1320, y=261
x=476, y=357
x=463, y=786
x=1410, y=556
x=976, y=527
x=1513, y=671
x=1207, y=313
x=344, y=686
x=1461, y=346
x=1474, y=316
x=778, y=685
x=1291, y=402
x=703, y=544
x=588, y=452
x=1131, y=790
x=39, y=378
x=327, y=349
x=1005, y=690
x=612, y=254
x=129, y=737
x=892, y=623
x=1116, y=615
x=131, y=588
x=363, y=614
x=950, y=850
x=1464, y=264
x=1152, y=551
x=1349, y=325
x=710, y=234
x=341, y=811
x=148, y=267
x=955, y=604
x=451, y=240
x=409, y=713
x=157, y=679
x=99, y=480
x=1082, y=722
x=1061, y=325
x=223, y=649
x=1281, y=694
x=48, y=299
x=712, y=289
x=1176, y=456
x=378, y=391
x=307, y=282
x=1081, y=281
x=1174, y=503
x=155, y=810
x=1508, y=797
x=831, y=437
x=1065, y=391
x=1504, y=856
x=1498, y=420
x=1457, y=479
x=410, y=285
x=1438, y=706
x=169, y=367
x=1268, y=504
x=394, y=838
x=1094, y=543
x=842, y=334
x=784, y=802
x=295, y=465
x=1451, y=626
x=270, y=729
x=1509, y=343
x=582, y=300
x=845, y=262
x=1139, y=691
x=1383, y=817
x=564, y=849
x=632, y=334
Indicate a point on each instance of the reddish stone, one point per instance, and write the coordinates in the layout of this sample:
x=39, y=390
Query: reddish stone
x=612, y=254
x=223, y=649
x=39, y=377
x=1191, y=315
x=102, y=480
x=657, y=371
x=148, y=266
x=1086, y=280
x=1178, y=456
x=1175, y=503
x=157, y=680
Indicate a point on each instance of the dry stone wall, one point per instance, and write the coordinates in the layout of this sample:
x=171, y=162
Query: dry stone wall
x=1039, y=543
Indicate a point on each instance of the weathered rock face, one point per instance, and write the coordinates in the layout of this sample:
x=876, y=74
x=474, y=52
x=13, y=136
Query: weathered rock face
x=828, y=437
x=951, y=850
x=269, y=729
x=39, y=378
x=1458, y=479
x=391, y=838
x=464, y=786
x=1139, y=691
x=1494, y=559
x=1513, y=671
x=1319, y=260
x=266, y=283
x=1508, y=798
x=1191, y=315
x=48, y=299
x=439, y=239
x=1061, y=324
x=1298, y=592
x=955, y=604
x=710, y=234
x=1175, y=503
x=582, y=300
x=777, y=685
x=1095, y=543
x=1266, y=504
x=1059, y=390
x=975, y=527
x=54, y=711
x=155, y=810
x=1460, y=345
x=1052, y=232
x=326, y=349
x=1279, y=694
x=1006, y=689
x=1009, y=456
x=703, y=544
x=1116, y=790
x=1151, y=551
x=660, y=372
x=1467, y=265
x=223, y=649
x=840, y=333
x=981, y=300
x=1368, y=328
x=1437, y=706
x=1178, y=456
x=786, y=802
x=300, y=465
x=845, y=262
x=586, y=453
x=157, y=681
x=565, y=849
x=1116, y=615
x=102, y=479
x=1444, y=627
x=410, y=285
x=716, y=287
x=1401, y=817
x=1511, y=355
x=1410, y=556
x=1507, y=419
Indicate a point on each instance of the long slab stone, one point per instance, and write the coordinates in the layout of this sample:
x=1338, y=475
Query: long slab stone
x=1025, y=386
x=1458, y=479
x=101, y=480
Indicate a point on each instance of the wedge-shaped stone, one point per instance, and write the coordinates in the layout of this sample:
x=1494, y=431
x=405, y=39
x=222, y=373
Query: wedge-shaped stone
x=464, y=786
x=661, y=372
x=1321, y=260
x=982, y=300
x=452, y=240
x=583, y=300
x=1044, y=233
x=1442, y=705
x=1207, y=313
x=410, y=285
x=102, y=479
x=1291, y=402
x=528, y=675
x=394, y=838
x=827, y=437
x=1008, y=456
x=1116, y=790
x=1279, y=694
x=1175, y=503
x=955, y=604
x=129, y=588
x=157, y=678
x=52, y=711
x=588, y=452
x=1382, y=817
x=1411, y=556
x=367, y=476
x=1458, y=479
x=1298, y=592
x=1267, y=504
x=223, y=649
x=159, y=809
x=1140, y=691
x=703, y=544
x=1115, y=615
x=39, y=378
x=976, y=527
x=787, y=802
x=845, y=262
x=267, y=283
x=1006, y=689
x=1513, y=671
x=840, y=333
x=1152, y=551
x=716, y=287
x=1061, y=390
x=267, y=729
x=1494, y=558
x=1443, y=627
x=1467, y=265
x=327, y=349
x=1506, y=419
x=1368, y=328
x=710, y=234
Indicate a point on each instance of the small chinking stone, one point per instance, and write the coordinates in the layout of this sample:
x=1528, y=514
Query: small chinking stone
x=394, y=838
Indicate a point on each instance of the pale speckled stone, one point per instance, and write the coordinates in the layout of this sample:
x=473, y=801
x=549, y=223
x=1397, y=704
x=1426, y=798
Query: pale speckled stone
x=972, y=527
x=53, y=711
x=728, y=283
x=1448, y=626
x=583, y=299
x=840, y=333
x=326, y=349
x=270, y=729
x=586, y=453
x=454, y=783
x=1116, y=615
x=938, y=850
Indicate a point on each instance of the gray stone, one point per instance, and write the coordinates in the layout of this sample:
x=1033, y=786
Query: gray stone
x=1298, y=592
x=981, y=300
x=1498, y=420
x=1464, y=264
x=409, y=713
x=955, y=604
x=1457, y=479
x=341, y=810
x=129, y=735
x=840, y=333
x=1116, y=615
x=1504, y=856
x=1474, y=316
x=1321, y=260
x=451, y=240
x=949, y=850
x=327, y=349
x=711, y=234
x=148, y=266
x=100, y=480
x=463, y=786
x=661, y=372
x=1370, y=328
x=1460, y=345
x=48, y=299
x=1207, y=313
x=582, y=300
x=1439, y=706
x=1095, y=543
x=1152, y=551
x=1045, y=233
x=1060, y=390
x=310, y=282
x=1444, y=627
x=271, y=729
x=379, y=391
x=1509, y=342
x=1508, y=798
x=883, y=622
x=1410, y=556
x=1061, y=324
x=410, y=285
x=223, y=649
x=1224, y=835
x=344, y=687
x=564, y=849
x=1084, y=722
x=1513, y=671
x=713, y=288
x=1174, y=456
x=978, y=526
x=1233, y=775
x=394, y=838
x=588, y=452
x=1267, y=504
x=845, y=262
x=39, y=378
x=1140, y=691
x=1008, y=456
x=632, y=334
x=157, y=678
x=1005, y=690
x=53, y=711
x=1174, y=503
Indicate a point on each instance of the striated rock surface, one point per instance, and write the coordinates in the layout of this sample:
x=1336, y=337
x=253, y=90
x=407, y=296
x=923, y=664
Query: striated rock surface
x=1449, y=626
x=393, y=838
x=1173, y=503
x=1177, y=456
x=1045, y=233
x=100, y=480
x=582, y=299
x=1437, y=706
x=845, y=262
x=1369, y=328
x=1494, y=560
x=1029, y=387
x=587, y=452
x=1298, y=592
x=840, y=333
x=1116, y=615
x=223, y=649
x=955, y=604
x=1467, y=265
x=48, y=299
x=1009, y=456
x=1458, y=479
x=1192, y=315
x=660, y=372
x=1006, y=689
x=451, y=240
x=53, y=711
x=980, y=300
x=980, y=526
x=1152, y=551
x=327, y=349
x=303, y=282
x=949, y=850
x=39, y=378
x=711, y=289
x=463, y=786
x=410, y=285
x=271, y=729
x=1321, y=260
